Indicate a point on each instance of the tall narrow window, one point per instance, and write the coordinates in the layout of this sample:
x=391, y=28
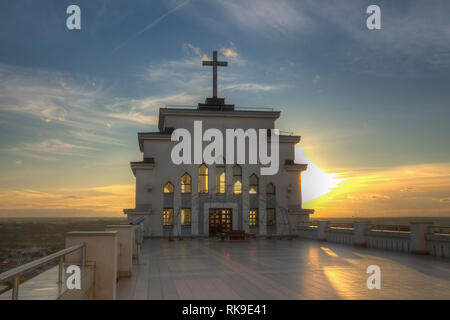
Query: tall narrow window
x=203, y=179
x=270, y=213
x=270, y=188
x=220, y=178
x=253, y=184
x=186, y=183
x=186, y=217
x=168, y=217
x=237, y=179
x=168, y=187
x=253, y=217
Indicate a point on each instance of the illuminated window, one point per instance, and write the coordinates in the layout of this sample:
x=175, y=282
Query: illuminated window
x=270, y=189
x=237, y=179
x=203, y=179
x=186, y=183
x=168, y=216
x=186, y=217
x=253, y=184
x=270, y=213
x=220, y=178
x=168, y=188
x=253, y=217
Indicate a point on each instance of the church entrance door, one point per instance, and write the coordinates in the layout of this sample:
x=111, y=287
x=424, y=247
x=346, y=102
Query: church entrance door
x=219, y=220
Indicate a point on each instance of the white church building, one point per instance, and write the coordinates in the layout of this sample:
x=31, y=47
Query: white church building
x=204, y=200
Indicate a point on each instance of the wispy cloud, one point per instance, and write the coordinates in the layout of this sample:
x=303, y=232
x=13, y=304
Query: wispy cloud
x=268, y=17
x=419, y=32
x=55, y=147
x=92, y=201
x=190, y=46
x=80, y=112
x=193, y=82
x=250, y=86
x=230, y=52
x=49, y=150
x=153, y=23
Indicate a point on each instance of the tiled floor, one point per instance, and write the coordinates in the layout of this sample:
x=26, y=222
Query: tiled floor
x=280, y=269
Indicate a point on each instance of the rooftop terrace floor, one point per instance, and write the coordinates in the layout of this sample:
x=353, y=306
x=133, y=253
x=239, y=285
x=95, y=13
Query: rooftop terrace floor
x=279, y=269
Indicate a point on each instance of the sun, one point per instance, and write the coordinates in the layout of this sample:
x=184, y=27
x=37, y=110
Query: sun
x=315, y=181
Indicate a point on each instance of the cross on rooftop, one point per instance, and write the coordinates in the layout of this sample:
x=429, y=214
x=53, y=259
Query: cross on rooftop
x=214, y=63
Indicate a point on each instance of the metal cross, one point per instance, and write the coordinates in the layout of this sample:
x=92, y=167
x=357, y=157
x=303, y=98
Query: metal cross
x=214, y=63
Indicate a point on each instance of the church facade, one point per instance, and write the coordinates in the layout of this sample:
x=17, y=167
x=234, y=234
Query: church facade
x=205, y=200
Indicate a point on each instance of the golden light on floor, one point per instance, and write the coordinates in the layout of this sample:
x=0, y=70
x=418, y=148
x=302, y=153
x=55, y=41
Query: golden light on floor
x=329, y=252
x=336, y=278
x=313, y=255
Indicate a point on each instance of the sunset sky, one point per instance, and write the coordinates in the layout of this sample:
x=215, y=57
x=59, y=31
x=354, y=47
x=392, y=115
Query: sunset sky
x=372, y=107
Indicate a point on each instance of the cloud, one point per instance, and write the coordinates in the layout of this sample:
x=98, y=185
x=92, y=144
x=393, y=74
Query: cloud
x=186, y=75
x=145, y=110
x=418, y=32
x=71, y=102
x=316, y=79
x=249, y=86
x=153, y=23
x=230, y=52
x=94, y=138
x=92, y=201
x=195, y=49
x=19, y=162
x=270, y=18
x=49, y=150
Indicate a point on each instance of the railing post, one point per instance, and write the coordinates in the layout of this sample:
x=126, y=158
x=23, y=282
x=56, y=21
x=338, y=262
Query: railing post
x=322, y=228
x=82, y=256
x=360, y=230
x=15, y=292
x=418, y=240
x=60, y=270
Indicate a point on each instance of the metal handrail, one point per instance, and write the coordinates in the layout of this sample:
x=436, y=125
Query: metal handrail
x=18, y=271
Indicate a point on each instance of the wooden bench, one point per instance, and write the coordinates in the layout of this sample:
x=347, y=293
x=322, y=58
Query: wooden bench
x=236, y=235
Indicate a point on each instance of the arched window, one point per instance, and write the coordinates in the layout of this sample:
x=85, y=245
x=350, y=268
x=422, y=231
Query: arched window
x=186, y=217
x=270, y=215
x=203, y=179
x=168, y=187
x=253, y=217
x=220, y=178
x=237, y=179
x=270, y=188
x=168, y=217
x=253, y=184
x=186, y=183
